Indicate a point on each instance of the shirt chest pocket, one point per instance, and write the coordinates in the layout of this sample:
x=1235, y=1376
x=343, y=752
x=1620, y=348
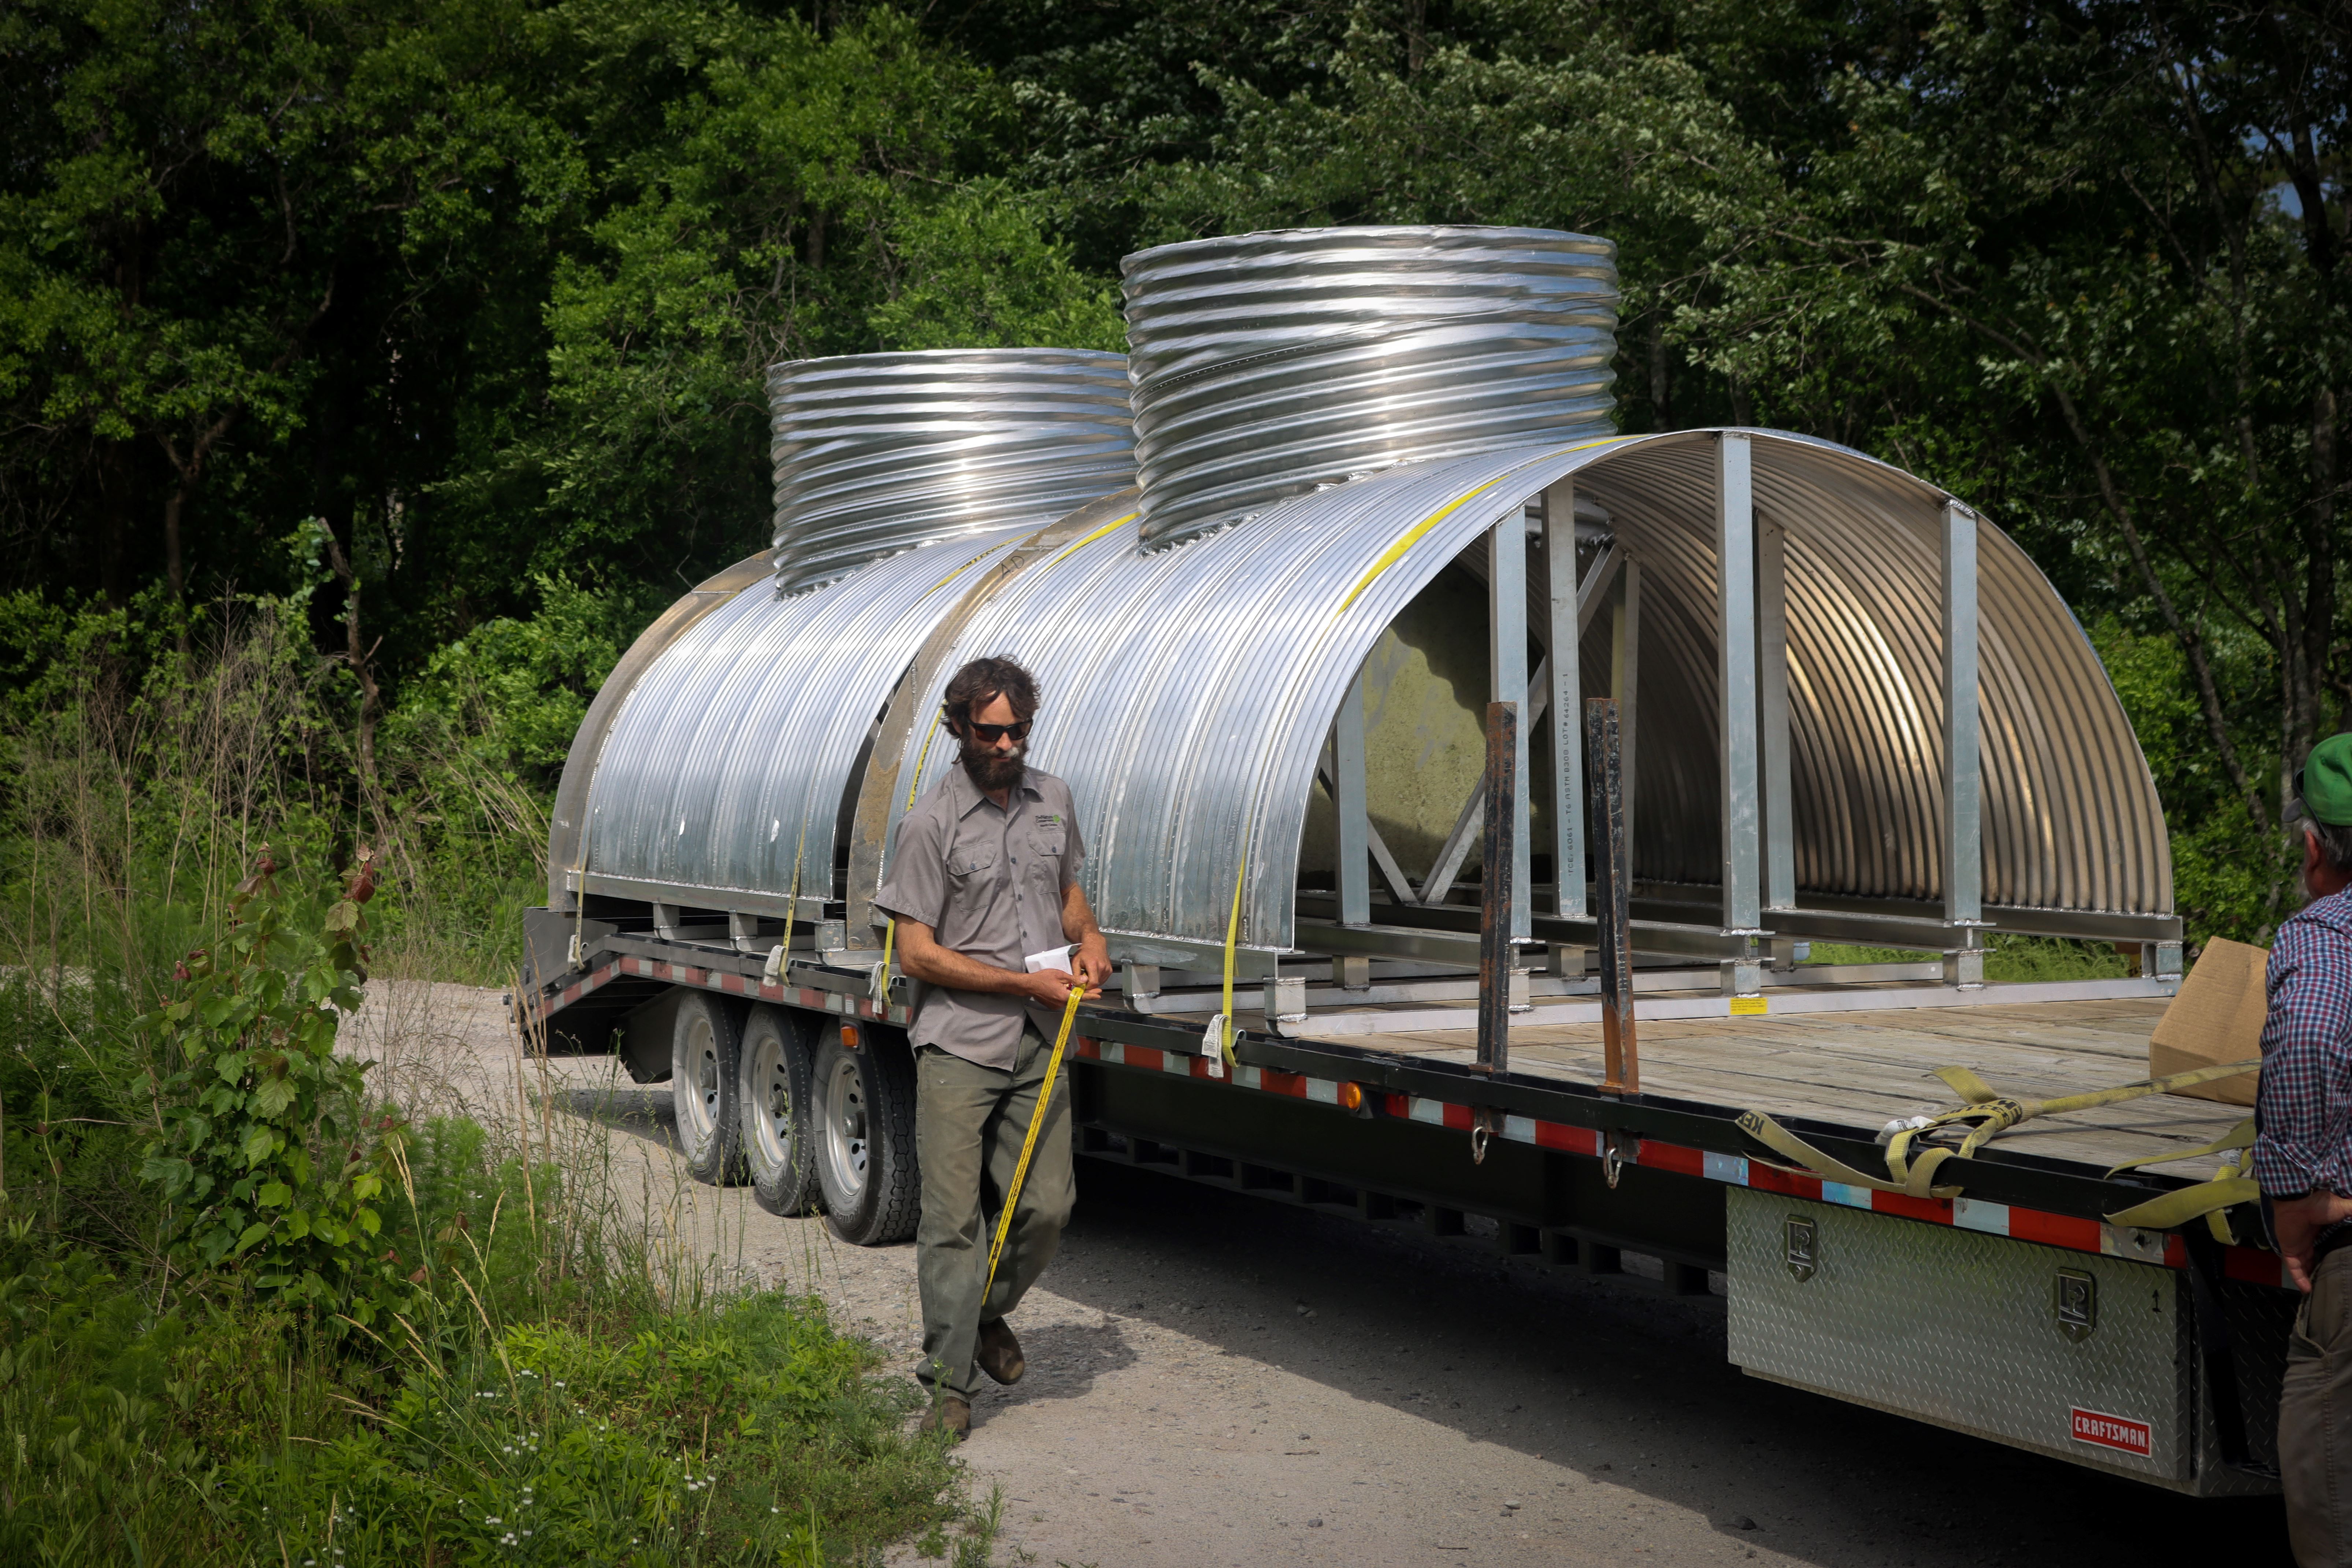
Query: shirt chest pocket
x=963, y=864
x=1045, y=847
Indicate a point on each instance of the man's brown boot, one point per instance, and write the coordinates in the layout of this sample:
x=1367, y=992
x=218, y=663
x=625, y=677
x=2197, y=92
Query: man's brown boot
x=999, y=1354
x=950, y=1412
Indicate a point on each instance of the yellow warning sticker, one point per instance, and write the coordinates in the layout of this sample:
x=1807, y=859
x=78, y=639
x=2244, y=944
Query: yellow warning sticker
x=1747, y=1006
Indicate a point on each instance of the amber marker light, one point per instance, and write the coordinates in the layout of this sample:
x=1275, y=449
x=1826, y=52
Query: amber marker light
x=1351, y=1096
x=849, y=1036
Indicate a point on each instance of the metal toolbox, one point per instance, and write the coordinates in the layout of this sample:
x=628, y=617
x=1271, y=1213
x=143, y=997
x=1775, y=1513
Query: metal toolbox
x=2085, y=1358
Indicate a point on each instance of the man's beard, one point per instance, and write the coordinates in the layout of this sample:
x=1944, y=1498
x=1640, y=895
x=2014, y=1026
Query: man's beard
x=992, y=772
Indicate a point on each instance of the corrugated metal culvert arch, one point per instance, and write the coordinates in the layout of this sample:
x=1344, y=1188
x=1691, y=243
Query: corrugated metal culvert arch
x=1188, y=691
x=727, y=767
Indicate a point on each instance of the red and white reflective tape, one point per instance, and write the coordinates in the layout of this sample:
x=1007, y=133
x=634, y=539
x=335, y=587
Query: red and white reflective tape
x=2251, y=1265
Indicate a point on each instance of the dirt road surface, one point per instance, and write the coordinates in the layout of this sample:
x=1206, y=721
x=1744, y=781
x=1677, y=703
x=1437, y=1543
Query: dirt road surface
x=1216, y=1379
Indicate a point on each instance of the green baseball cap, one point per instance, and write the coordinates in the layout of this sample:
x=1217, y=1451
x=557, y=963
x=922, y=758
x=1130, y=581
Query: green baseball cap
x=2323, y=785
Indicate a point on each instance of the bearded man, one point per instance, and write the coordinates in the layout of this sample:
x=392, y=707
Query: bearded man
x=984, y=878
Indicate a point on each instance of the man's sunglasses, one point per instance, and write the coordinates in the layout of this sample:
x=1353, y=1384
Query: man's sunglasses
x=989, y=734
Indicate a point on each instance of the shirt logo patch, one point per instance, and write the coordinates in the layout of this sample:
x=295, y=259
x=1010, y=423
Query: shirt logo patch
x=1048, y=819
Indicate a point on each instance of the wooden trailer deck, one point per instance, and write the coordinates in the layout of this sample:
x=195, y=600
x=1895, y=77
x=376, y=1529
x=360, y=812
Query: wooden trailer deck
x=1862, y=1069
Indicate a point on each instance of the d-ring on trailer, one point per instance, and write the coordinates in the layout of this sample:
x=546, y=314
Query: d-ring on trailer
x=1468, y=788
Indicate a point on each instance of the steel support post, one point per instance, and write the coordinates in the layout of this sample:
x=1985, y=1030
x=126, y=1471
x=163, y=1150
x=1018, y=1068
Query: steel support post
x=1624, y=685
x=1497, y=915
x=1612, y=895
x=1772, y=714
x=1350, y=803
x=1506, y=666
x=1963, y=843
x=1567, y=700
x=1735, y=699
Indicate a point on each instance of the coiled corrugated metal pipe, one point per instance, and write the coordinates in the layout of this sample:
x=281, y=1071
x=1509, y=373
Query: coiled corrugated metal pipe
x=1268, y=365
x=876, y=454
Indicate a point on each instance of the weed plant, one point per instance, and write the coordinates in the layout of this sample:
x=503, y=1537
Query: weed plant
x=467, y=1349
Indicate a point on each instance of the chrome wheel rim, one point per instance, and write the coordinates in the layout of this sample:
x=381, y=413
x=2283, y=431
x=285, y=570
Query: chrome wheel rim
x=848, y=1144
x=768, y=1101
x=699, y=1104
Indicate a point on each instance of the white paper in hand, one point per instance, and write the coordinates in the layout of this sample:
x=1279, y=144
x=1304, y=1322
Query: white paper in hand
x=1052, y=958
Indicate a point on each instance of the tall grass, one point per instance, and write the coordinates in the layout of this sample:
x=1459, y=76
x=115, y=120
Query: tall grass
x=558, y=1384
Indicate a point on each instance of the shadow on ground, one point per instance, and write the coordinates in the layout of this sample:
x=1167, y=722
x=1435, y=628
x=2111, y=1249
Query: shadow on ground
x=1612, y=1378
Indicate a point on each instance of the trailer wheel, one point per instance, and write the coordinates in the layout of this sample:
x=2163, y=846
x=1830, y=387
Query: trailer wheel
x=774, y=1104
x=703, y=1052
x=863, y=1122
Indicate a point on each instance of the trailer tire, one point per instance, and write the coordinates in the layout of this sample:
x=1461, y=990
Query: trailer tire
x=862, y=1126
x=704, y=1055
x=773, y=1106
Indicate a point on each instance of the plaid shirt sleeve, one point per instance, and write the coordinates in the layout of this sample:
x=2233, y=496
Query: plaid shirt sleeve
x=2305, y=1098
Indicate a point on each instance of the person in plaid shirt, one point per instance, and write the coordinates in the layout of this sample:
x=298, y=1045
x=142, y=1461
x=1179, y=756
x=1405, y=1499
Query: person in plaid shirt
x=2303, y=1161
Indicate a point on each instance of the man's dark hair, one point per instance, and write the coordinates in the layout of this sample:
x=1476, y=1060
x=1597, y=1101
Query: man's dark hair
x=2334, y=844
x=981, y=682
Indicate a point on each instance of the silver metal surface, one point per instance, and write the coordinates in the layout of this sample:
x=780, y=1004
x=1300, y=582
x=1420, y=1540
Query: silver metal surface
x=1507, y=681
x=564, y=862
x=727, y=767
x=768, y=1098
x=1267, y=364
x=1772, y=714
x=2071, y=819
x=878, y=453
x=1565, y=604
x=1963, y=815
x=847, y=1137
x=1735, y=574
x=694, y=1096
x=1348, y=800
x=1188, y=693
x=1963, y=1329
x=1625, y=687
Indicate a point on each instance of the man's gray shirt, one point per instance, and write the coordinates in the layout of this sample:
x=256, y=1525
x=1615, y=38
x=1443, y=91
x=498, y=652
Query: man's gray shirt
x=989, y=881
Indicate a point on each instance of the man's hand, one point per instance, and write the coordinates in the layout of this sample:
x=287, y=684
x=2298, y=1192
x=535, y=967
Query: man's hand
x=921, y=955
x=1049, y=988
x=2298, y=1222
x=1091, y=962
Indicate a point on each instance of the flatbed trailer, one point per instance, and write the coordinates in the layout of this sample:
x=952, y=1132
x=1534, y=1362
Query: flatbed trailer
x=2016, y=1312
x=1388, y=599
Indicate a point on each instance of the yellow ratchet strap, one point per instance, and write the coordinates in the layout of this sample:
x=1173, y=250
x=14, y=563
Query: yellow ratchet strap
x=1791, y=1147
x=1987, y=1114
x=1036, y=1124
x=2230, y=1186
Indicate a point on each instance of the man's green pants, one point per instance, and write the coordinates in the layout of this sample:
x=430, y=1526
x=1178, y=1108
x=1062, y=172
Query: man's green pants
x=970, y=1123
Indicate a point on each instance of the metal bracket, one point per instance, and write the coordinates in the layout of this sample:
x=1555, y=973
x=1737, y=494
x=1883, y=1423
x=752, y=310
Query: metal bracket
x=743, y=930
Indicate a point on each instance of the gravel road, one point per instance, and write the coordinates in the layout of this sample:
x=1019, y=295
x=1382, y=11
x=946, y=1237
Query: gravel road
x=1216, y=1379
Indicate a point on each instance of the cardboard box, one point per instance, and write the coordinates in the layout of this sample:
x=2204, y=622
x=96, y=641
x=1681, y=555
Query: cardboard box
x=2216, y=1017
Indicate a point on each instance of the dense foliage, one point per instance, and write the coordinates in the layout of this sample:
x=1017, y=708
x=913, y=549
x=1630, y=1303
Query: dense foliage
x=445, y=323
x=265, y=1300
